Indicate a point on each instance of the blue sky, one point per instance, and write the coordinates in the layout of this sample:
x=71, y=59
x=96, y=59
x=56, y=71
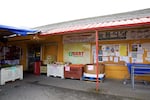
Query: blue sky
x=32, y=13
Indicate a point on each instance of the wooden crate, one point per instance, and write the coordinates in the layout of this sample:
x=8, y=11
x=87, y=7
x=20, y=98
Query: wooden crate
x=73, y=71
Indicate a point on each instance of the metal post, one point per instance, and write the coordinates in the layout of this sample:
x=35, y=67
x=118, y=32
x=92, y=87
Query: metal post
x=132, y=76
x=97, y=80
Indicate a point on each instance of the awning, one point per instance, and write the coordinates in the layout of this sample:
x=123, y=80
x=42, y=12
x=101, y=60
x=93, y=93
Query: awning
x=10, y=30
x=97, y=26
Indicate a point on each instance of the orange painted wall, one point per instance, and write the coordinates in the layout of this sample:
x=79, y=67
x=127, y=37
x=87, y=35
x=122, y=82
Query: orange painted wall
x=55, y=41
x=23, y=42
x=112, y=71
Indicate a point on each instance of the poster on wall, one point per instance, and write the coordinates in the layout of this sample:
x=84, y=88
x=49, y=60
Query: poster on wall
x=77, y=53
x=134, y=47
x=137, y=57
x=134, y=55
x=110, y=50
x=100, y=58
x=123, y=49
x=105, y=58
x=146, y=46
x=125, y=58
x=111, y=58
x=116, y=59
x=148, y=57
x=136, y=60
x=148, y=54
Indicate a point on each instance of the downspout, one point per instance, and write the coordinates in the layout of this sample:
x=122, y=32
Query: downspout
x=97, y=80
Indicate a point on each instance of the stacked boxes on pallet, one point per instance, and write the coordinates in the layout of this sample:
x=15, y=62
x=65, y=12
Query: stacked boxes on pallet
x=76, y=71
x=90, y=72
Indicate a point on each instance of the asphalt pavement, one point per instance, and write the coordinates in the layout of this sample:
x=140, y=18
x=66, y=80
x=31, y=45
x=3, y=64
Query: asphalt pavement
x=50, y=88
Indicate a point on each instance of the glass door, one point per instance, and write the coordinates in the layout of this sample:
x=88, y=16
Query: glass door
x=34, y=54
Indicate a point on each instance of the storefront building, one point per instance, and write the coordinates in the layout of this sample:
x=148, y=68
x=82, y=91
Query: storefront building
x=122, y=38
x=114, y=40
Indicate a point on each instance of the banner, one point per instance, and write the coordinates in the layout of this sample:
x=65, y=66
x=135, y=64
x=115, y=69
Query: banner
x=77, y=53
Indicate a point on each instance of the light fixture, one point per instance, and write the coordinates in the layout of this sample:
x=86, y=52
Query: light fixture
x=36, y=36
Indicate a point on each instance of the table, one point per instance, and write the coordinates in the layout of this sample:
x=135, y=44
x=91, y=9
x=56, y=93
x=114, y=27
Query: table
x=139, y=70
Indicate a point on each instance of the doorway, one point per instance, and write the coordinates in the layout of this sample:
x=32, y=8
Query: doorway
x=34, y=54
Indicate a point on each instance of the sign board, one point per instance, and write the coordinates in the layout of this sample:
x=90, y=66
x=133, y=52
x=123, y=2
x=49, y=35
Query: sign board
x=77, y=53
x=80, y=37
x=125, y=34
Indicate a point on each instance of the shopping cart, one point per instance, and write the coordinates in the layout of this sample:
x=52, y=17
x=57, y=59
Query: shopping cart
x=136, y=69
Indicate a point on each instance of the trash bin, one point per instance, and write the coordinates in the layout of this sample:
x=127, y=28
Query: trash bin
x=37, y=65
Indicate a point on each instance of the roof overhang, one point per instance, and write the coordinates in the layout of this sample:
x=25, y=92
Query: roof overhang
x=144, y=21
x=10, y=30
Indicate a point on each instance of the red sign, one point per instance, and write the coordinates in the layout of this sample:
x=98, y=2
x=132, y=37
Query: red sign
x=76, y=53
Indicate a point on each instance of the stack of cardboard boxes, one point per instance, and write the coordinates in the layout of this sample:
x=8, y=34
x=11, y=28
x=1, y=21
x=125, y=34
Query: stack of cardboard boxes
x=90, y=71
x=74, y=71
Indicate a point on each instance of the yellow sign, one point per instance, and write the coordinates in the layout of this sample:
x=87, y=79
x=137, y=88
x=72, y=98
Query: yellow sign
x=77, y=53
x=123, y=49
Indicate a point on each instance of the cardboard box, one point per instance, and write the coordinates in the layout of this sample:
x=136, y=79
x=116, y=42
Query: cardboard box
x=91, y=68
x=74, y=71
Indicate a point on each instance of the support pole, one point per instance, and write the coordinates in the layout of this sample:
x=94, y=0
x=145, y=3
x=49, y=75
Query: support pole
x=97, y=80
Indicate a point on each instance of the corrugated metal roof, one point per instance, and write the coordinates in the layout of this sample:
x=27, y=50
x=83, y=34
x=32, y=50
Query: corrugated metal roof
x=129, y=22
x=133, y=17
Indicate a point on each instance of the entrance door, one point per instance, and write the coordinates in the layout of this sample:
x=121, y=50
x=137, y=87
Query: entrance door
x=33, y=55
x=50, y=50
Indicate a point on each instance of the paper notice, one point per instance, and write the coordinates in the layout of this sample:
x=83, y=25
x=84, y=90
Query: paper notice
x=148, y=54
x=111, y=58
x=126, y=59
x=121, y=58
x=136, y=60
x=116, y=59
x=140, y=49
x=105, y=53
x=105, y=58
x=134, y=54
x=90, y=67
x=139, y=61
x=146, y=46
x=117, y=54
x=67, y=68
x=140, y=56
x=148, y=59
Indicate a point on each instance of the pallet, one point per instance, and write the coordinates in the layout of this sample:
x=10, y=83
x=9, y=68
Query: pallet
x=92, y=77
x=73, y=78
x=55, y=76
